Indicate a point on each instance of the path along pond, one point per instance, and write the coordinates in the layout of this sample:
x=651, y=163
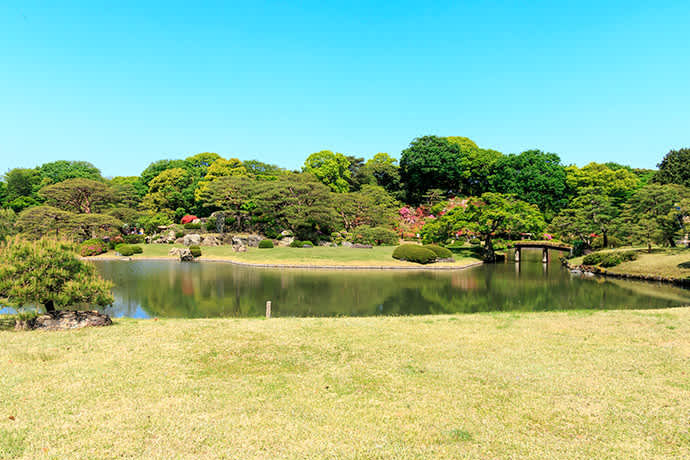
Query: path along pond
x=214, y=289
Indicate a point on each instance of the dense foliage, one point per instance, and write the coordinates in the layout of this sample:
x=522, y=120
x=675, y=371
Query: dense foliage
x=444, y=190
x=48, y=273
x=414, y=253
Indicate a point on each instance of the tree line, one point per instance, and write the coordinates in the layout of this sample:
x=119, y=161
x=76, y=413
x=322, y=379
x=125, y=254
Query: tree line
x=442, y=189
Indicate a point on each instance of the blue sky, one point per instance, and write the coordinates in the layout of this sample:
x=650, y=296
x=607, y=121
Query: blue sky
x=121, y=85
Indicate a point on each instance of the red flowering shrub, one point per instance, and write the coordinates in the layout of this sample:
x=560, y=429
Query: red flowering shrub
x=188, y=219
x=92, y=247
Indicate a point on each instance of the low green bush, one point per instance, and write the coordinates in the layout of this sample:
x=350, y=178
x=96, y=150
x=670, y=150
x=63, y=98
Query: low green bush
x=594, y=258
x=265, y=244
x=195, y=250
x=128, y=249
x=628, y=256
x=440, y=251
x=93, y=247
x=133, y=239
x=611, y=260
x=475, y=241
x=375, y=235
x=414, y=253
x=179, y=234
x=301, y=244
x=192, y=226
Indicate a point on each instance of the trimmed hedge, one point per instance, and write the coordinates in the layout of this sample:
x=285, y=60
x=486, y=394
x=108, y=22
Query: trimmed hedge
x=475, y=241
x=265, y=244
x=195, y=250
x=128, y=249
x=92, y=247
x=440, y=251
x=301, y=244
x=414, y=253
x=191, y=226
x=610, y=259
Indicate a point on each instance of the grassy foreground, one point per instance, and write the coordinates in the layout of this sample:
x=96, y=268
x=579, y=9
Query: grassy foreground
x=664, y=263
x=548, y=385
x=380, y=256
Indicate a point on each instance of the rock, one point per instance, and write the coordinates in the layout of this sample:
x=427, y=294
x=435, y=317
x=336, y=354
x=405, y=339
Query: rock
x=362, y=246
x=239, y=248
x=179, y=240
x=191, y=239
x=446, y=259
x=174, y=252
x=220, y=221
x=287, y=241
x=210, y=240
x=327, y=244
x=66, y=319
x=285, y=233
x=346, y=244
x=186, y=255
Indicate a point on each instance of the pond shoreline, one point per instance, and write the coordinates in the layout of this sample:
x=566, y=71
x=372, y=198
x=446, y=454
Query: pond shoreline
x=301, y=266
x=682, y=282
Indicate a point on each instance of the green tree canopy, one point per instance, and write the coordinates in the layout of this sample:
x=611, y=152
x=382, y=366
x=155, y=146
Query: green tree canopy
x=48, y=273
x=59, y=171
x=298, y=202
x=611, y=179
x=430, y=162
x=22, y=183
x=536, y=177
x=385, y=171
x=157, y=167
x=371, y=206
x=593, y=212
x=233, y=195
x=332, y=169
x=674, y=168
x=487, y=216
x=654, y=213
x=78, y=195
x=171, y=189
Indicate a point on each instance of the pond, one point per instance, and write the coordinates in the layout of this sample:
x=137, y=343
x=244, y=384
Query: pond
x=214, y=289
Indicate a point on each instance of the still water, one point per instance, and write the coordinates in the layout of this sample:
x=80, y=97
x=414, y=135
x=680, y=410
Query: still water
x=210, y=289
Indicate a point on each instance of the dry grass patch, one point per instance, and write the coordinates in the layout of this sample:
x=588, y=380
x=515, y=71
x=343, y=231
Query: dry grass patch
x=544, y=385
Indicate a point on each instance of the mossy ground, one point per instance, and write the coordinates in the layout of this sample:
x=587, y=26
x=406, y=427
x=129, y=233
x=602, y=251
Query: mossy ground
x=576, y=385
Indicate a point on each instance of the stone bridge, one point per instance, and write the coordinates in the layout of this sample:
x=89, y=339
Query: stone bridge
x=543, y=245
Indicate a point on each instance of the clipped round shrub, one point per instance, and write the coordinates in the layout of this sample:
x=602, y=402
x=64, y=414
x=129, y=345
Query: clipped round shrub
x=627, y=256
x=179, y=234
x=195, y=250
x=192, y=226
x=92, y=247
x=114, y=241
x=128, y=249
x=301, y=244
x=414, y=253
x=265, y=244
x=475, y=241
x=440, y=251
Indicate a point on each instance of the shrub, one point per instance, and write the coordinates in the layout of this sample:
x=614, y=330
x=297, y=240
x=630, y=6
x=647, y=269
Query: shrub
x=92, y=247
x=593, y=259
x=414, y=253
x=475, y=241
x=441, y=252
x=179, y=234
x=375, y=235
x=188, y=219
x=265, y=244
x=114, y=241
x=128, y=249
x=611, y=260
x=627, y=256
x=191, y=226
x=133, y=239
x=195, y=250
x=301, y=244
x=579, y=248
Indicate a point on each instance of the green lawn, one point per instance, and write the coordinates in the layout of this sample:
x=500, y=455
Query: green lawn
x=576, y=385
x=317, y=256
x=665, y=263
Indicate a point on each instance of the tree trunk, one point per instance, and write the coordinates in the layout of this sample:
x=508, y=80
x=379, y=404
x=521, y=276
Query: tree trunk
x=489, y=254
x=49, y=306
x=606, y=239
x=649, y=245
x=672, y=242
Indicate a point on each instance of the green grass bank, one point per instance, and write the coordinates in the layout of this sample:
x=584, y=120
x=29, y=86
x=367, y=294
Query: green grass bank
x=318, y=256
x=575, y=385
x=662, y=263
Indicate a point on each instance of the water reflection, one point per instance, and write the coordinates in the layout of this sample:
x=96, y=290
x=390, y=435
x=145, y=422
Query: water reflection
x=191, y=290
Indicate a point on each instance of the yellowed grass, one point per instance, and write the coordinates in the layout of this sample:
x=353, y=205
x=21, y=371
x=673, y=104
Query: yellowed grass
x=665, y=263
x=537, y=386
